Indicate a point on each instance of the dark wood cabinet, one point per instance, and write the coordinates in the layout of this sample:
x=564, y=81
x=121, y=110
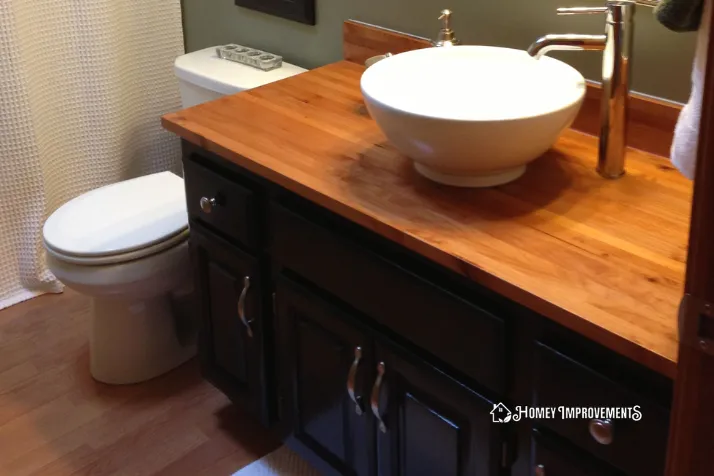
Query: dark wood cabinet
x=343, y=401
x=404, y=302
x=555, y=459
x=373, y=361
x=561, y=381
x=321, y=356
x=229, y=294
x=432, y=425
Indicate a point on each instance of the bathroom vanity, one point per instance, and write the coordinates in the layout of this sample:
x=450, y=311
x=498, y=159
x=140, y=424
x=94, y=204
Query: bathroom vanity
x=375, y=319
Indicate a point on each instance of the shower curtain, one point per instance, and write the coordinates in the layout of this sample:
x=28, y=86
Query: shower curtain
x=83, y=84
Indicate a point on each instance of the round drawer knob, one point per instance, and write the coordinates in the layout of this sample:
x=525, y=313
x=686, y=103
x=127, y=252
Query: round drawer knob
x=539, y=470
x=208, y=204
x=601, y=430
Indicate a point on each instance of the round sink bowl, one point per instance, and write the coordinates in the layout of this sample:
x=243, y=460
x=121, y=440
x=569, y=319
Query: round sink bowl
x=472, y=116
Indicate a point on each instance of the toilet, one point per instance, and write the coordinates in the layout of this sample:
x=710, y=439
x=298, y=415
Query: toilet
x=125, y=245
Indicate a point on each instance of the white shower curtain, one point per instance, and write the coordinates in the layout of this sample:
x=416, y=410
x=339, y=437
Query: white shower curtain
x=83, y=84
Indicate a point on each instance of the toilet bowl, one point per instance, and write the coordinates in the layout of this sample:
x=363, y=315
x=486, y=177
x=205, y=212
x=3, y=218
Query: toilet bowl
x=125, y=246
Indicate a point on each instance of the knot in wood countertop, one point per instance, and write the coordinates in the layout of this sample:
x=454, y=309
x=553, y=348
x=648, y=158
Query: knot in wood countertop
x=603, y=258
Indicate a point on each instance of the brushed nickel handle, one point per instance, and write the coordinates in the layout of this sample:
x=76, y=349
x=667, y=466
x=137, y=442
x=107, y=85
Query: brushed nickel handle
x=602, y=430
x=581, y=10
x=241, y=306
x=618, y=9
x=208, y=204
x=376, y=392
x=539, y=470
x=351, y=377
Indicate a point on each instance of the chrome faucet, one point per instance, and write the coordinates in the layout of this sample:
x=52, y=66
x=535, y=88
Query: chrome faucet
x=616, y=45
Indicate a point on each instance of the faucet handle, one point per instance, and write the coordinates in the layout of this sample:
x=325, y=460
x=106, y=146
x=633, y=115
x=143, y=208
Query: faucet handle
x=447, y=37
x=446, y=19
x=581, y=10
x=618, y=11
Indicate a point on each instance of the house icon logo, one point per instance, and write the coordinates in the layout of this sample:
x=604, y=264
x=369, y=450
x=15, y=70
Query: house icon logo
x=501, y=413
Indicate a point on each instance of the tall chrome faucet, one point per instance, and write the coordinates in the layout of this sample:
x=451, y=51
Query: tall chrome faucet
x=616, y=45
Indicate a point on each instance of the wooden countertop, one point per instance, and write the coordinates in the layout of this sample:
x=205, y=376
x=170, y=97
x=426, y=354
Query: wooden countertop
x=603, y=258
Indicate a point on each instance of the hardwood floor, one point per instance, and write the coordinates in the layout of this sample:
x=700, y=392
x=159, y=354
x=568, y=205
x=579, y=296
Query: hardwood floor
x=55, y=420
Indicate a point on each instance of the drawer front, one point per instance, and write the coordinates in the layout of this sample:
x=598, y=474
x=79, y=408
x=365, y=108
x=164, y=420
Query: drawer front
x=459, y=333
x=226, y=206
x=636, y=447
x=553, y=459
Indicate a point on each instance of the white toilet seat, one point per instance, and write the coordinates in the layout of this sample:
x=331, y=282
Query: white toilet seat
x=122, y=221
x=149, y=250
x=152, y=275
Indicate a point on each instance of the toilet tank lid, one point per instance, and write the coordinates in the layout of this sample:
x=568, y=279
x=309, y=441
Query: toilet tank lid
x=119, y=218
x=205, y=69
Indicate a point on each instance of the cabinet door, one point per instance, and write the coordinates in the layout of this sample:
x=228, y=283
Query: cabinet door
x=429, y=424
x=228, y=288
x=554, y=459
x=322, y=356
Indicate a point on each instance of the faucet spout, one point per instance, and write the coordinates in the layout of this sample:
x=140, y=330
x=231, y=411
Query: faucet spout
x=616, y=45
x=547, y=43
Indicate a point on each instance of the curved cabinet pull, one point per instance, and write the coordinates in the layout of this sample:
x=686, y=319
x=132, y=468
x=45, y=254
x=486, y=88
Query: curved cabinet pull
x=241, y=306
x=351, y=377
x=602, y=430
x=208, y=204
x=376, y=392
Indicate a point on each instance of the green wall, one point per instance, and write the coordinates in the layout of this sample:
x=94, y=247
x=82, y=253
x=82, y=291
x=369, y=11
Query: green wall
x=662, y=60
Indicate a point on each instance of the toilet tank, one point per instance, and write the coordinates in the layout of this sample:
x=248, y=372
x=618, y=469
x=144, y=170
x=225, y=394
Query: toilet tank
x=203, y=76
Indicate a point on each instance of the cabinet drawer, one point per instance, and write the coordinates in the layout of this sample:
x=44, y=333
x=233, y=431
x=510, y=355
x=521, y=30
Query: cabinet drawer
x=637, y=447
x=230, y=207
x=553, y=459
x=454, y=330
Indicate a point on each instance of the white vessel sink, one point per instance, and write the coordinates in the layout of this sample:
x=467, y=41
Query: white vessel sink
x=472, y=116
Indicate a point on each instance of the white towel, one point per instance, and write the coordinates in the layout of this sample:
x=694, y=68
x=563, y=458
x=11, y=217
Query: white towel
x=686, y=134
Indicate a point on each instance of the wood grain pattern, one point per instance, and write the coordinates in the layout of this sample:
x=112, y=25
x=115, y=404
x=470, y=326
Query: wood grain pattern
x=604, y=258
x=361, y=41
x=55, y=420
x=691, y=436
x=651, y=121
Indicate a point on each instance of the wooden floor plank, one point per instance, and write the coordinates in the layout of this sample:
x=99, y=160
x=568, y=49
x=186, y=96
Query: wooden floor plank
x=55, y=420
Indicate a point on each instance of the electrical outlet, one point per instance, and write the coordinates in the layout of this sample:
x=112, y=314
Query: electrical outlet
x=302, y=11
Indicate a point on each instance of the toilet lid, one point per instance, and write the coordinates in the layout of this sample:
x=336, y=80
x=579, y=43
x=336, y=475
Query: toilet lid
x=119, y=218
